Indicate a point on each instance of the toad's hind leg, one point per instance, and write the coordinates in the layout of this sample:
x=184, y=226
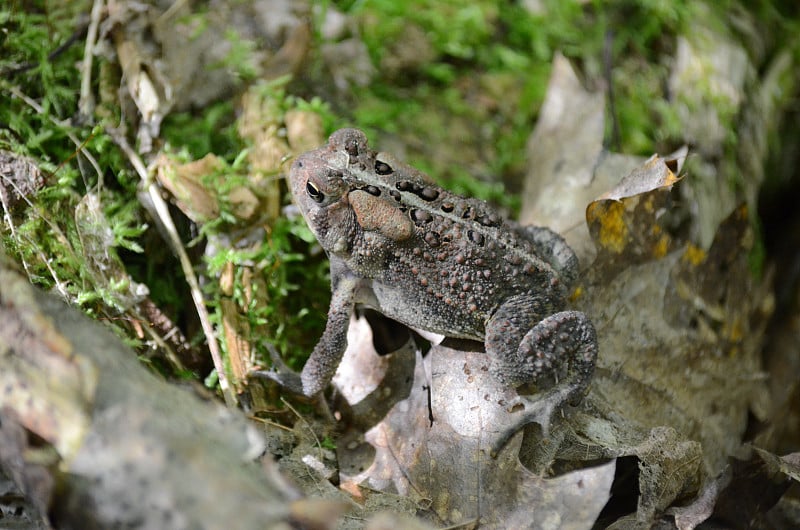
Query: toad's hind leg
x=562, y=342
x=553, y=249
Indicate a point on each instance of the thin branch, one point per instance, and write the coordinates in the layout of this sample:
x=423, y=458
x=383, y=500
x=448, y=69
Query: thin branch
x=86, y=102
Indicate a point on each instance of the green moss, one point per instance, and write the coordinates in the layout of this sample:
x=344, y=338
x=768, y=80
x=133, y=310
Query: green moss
x=488, y=41
x=293, y=318
x=213, y=130
x=68, y=232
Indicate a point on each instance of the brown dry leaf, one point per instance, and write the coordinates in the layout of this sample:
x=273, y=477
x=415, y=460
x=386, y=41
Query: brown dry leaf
x=789, y=464
x=237, y=330
x=196, y=185
x=195, y=198
x=688, y=517
x=655, y=173
x=747, y=490
x=627, y=223
x=752, y=486
x=433, y=444
x=701, y=332
x=671, y=467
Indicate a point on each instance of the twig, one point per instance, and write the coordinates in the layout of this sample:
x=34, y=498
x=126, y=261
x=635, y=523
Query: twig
x=60, y=286
x=167, y=15
x=161, y=213
x=269, y=422
x=86, y=101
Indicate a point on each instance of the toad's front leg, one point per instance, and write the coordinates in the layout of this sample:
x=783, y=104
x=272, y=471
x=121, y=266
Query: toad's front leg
x=324, y=360
x=523, y=353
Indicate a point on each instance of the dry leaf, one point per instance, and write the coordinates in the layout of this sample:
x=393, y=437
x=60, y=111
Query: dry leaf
x=433, y=445
x=108, y=273
x=192, y=196
x=563, y=151
x=679, y=346
x=753, y=485
x=196, y=187
x=627, y=223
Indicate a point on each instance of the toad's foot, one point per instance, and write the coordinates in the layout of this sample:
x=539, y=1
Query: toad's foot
x=524, y=410
x=281, y=373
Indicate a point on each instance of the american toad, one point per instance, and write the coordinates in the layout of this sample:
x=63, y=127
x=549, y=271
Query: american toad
x=433, y=260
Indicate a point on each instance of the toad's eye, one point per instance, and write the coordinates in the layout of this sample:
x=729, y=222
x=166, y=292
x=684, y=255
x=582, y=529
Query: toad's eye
x=314, y=193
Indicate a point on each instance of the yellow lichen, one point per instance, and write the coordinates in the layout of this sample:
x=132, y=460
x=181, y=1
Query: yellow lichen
x=694, y=255
x=661, y=247
x=576, y=294
x=613, y=231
